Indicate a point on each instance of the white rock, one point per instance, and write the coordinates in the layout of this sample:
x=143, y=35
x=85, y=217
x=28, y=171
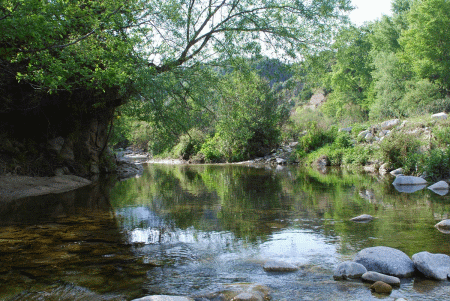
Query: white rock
x=389, y=124
x=368, y=137
x=397, y=171
x=363, y=133
x=363, y=218
x=441, y=115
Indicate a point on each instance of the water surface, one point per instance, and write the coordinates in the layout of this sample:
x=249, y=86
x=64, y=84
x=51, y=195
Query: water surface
x=203, y=230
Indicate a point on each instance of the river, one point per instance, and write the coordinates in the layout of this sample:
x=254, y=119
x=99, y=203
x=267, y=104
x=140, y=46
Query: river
x=205, y=231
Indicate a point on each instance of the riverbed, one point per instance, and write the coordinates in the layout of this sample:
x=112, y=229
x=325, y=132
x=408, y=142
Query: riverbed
x=205, y=231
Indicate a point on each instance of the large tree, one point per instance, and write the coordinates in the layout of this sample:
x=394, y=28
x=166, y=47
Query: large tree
x=427, y=41
x=66, y=65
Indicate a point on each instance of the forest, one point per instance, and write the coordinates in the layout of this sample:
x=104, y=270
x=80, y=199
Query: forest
x=217, y=81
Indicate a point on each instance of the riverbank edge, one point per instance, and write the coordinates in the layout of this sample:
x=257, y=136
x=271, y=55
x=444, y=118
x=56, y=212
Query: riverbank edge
x=14, y=187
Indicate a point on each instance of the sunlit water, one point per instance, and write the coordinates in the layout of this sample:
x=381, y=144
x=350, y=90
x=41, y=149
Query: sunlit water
x=206, y=232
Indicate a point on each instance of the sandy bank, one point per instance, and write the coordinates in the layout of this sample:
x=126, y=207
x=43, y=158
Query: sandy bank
x=16, y=187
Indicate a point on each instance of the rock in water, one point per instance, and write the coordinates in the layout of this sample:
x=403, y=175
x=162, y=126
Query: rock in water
x=441, y=185
x=349, y=270
x=386, y=260
x=409, y=180
x=279, y=266
x=163, y=298
x=381, y=287
x=364, y=218
x=374, y=277
x=436, y=266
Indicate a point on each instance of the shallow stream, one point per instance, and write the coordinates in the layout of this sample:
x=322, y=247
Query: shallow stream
x=205, y=231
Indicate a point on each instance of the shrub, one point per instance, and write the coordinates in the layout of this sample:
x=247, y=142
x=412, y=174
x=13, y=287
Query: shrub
x=211, y=150
x=189, y=144
x=400, y=150
x=437, y=163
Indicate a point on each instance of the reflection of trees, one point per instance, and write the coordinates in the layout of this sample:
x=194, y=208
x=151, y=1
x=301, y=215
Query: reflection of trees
x=253, y=203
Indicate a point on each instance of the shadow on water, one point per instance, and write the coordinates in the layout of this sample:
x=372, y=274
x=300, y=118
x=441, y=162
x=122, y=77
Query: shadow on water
x=203, y=230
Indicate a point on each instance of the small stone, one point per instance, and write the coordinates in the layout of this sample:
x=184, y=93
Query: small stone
x=349, y=270
x=397, y=171
x=381, y=288
x=247, y=297
x=374, y=277
x=389, y=124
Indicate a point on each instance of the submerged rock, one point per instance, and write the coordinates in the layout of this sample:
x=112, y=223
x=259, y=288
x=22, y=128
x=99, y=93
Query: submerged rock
x=381, y=288
x=436, y=266
x=374, y=277
x=364, y=218
x=163, y=298
x=279, y=266
x=386, y=260
x=349, y=270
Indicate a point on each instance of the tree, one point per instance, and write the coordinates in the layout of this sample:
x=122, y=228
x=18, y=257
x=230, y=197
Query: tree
x=427, y=41
x=67, y=65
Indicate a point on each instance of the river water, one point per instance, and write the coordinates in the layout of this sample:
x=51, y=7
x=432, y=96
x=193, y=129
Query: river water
x=205, y=231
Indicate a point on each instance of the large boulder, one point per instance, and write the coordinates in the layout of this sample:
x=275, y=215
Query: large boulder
x=374, y=277
x=409, y=180
x=349, y=270
x=386, y=260
x=436, y=266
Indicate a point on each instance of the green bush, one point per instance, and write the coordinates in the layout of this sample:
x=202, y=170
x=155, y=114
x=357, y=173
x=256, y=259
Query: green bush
x=437, y=163
x=211, y=150
x=400, y=150
x=358, y=155
x=189, y=144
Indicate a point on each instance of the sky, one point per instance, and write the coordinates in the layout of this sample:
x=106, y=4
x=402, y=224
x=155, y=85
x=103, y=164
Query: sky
x=369, y=10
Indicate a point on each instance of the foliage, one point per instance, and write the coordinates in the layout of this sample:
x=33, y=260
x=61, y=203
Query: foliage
x=189, y=144
x=437, y=163
x=400, y=150
x=427, y=41
x=248, y=116
x=315, y=138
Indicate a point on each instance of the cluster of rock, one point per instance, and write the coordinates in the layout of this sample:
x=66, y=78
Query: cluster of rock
x=411, y=184
x=280, y=156
x=384, y=266
x=129, y=163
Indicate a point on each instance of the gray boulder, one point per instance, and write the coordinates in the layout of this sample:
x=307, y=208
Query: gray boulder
x=374, y=277
x=409, y=180
x=436, y=266
x=441, y=185
x=349, y=270
x=279, y=266
x=386, y=260
x=163, y=298
x=441, y=115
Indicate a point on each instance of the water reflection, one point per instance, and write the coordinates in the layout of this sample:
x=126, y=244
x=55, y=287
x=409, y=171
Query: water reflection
x=204, y=230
